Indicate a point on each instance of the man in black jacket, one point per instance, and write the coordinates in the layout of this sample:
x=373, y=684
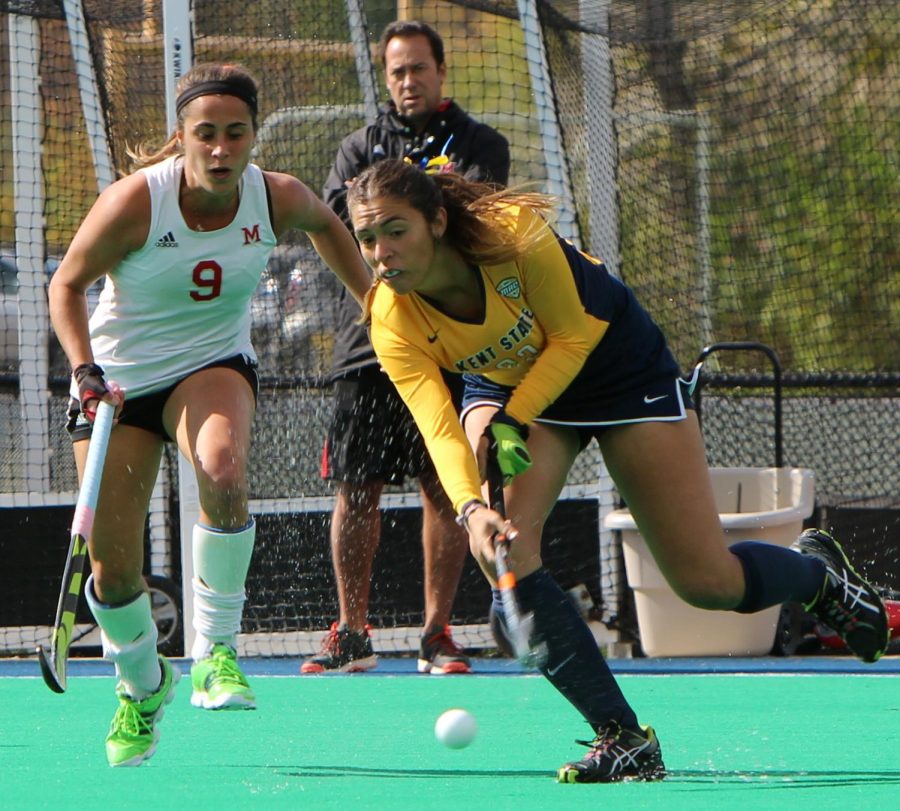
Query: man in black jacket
x=372, y=439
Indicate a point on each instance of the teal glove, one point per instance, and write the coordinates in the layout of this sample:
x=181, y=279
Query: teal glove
x=508, y=445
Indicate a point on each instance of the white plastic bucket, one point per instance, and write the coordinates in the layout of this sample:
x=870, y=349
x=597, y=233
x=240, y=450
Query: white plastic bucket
x=762, y=504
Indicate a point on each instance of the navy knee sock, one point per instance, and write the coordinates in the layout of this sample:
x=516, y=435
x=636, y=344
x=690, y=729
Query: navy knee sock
x=574, y=663
x=774, y=575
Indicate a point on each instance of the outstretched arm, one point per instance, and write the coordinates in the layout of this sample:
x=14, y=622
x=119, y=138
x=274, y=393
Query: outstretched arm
x=421, y=386
x=419, y=382
x=295, y=206
x=116, y=225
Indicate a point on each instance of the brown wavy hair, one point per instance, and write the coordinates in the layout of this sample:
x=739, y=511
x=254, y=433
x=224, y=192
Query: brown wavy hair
x=480, y=216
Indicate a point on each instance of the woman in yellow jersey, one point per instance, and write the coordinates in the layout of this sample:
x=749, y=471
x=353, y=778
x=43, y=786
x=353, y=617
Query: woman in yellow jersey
x=555, y=351
x=182, y=243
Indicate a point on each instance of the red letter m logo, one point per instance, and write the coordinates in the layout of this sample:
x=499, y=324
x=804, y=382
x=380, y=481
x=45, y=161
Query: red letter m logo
x=251, y=234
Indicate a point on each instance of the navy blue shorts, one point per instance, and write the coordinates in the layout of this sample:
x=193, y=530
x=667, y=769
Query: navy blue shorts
x=146, y=411
x=662, y=399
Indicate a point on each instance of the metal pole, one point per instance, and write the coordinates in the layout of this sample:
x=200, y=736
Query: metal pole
x=28, y=198
x=179, y=54
x=551, y=137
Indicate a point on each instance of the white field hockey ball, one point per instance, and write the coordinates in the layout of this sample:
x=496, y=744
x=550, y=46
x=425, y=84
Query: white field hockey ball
x=455, y=728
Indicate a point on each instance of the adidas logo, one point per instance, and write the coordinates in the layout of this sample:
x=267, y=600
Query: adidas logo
x=167, y=241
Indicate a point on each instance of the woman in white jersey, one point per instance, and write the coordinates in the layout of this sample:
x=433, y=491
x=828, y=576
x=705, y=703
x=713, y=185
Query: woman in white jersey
x=182, y=243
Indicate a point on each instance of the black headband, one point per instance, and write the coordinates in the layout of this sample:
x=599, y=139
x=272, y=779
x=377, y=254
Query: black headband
x=216, y=88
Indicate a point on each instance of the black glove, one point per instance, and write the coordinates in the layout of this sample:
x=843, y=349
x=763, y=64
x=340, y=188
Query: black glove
x=91, y=388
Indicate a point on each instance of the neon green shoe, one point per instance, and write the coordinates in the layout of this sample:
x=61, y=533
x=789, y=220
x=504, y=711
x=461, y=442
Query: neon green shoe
x=219, y=683
x=133, y=734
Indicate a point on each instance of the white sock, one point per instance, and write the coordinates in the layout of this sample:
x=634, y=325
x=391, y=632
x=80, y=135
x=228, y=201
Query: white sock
x=129, y=635
x=221, y=562
x=217, y=618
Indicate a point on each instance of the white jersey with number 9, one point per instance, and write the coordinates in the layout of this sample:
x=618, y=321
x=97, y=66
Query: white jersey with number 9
x=183, y=300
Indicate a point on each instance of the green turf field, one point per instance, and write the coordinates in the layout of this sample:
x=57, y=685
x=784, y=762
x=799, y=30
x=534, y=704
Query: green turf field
x=365, y=742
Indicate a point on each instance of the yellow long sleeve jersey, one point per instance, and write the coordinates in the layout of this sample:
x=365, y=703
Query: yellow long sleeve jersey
x=544, y=315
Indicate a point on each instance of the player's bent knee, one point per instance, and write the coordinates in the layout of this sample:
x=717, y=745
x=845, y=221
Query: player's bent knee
x=222, y=476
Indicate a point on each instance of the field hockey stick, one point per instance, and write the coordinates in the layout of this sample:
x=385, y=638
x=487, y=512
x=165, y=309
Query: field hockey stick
x=53, y=665
x=519, y=626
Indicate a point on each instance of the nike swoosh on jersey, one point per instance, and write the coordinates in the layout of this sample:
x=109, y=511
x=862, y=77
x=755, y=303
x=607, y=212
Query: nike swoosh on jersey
x=648, y=399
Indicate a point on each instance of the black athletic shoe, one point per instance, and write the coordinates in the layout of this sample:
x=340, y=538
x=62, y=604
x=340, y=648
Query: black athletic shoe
x=846, y=603
x=440, y=655
x=615, y=755
x=343, y=651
